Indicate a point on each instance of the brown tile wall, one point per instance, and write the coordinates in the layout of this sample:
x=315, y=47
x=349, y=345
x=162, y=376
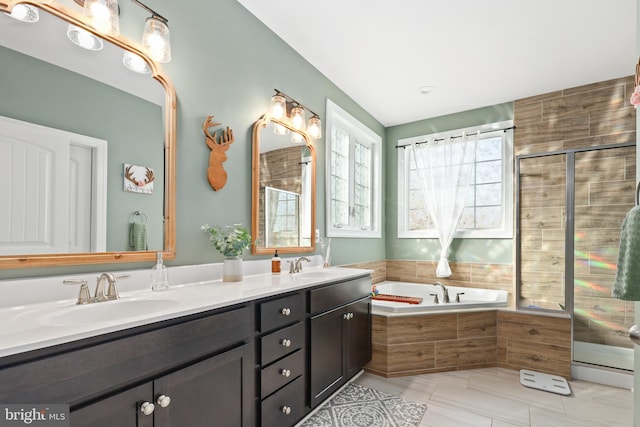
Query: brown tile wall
x=425, y=343
x=587, y=116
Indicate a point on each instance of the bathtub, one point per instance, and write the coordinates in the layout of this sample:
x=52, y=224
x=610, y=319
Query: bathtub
x=469, y=298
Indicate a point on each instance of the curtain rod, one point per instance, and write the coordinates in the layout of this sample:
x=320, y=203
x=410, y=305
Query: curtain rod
x=456, y=136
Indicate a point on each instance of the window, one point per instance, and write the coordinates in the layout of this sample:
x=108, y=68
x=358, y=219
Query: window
x=489, y=206
x=353, y=176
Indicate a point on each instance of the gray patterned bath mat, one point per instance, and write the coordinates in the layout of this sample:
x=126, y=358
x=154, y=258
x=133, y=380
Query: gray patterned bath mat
x=359, y=406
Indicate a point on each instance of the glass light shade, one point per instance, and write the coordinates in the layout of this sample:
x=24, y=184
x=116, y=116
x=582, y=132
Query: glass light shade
x=135, y=63
x=278, y=129
x=156, y=39
x=103, y=15
x=314, y=127
x=296, y=137
x=84, y=38
x=297, y=117
x=278, y=106
x=24, y=13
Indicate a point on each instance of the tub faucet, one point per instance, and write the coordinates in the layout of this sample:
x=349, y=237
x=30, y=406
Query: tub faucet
x=445, y=292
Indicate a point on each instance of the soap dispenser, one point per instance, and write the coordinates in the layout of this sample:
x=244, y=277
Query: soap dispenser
x=159, y=275
x=275, y=263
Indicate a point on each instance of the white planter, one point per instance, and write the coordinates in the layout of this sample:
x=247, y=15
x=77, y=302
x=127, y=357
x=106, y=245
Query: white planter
x=232, y=269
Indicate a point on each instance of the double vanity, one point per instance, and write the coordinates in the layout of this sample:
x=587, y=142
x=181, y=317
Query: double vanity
x=261, y=352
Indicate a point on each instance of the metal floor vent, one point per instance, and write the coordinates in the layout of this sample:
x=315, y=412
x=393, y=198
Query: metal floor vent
x=546, y=382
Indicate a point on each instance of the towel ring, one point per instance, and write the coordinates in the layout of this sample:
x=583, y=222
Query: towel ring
x=138, y=215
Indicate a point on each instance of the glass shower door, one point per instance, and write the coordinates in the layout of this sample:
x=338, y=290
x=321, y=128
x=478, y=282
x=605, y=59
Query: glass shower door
x=604, y=193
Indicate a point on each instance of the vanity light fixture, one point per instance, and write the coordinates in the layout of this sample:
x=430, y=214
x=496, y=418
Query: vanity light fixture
x=84, y=38
x=103, y=16
x=24, y=13
x=283, y=106
x=135, y=62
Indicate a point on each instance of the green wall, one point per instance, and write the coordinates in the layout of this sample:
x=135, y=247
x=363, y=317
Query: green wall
x=38, y=92
x=468, y=250
x=227, y=63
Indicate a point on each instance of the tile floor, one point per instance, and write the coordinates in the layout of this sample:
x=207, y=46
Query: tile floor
x=494, y=397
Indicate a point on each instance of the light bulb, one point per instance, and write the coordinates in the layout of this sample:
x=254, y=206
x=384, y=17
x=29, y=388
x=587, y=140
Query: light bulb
x=103, y=15
x=135, y=63
x=24, y=13
x=296, y=137
x=278, y=129
x=156, y=39
x=278, y=106
x=297, y=117
x=314, y=127
x=83, y=38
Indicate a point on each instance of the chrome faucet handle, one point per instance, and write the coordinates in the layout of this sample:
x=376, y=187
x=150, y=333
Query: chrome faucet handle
x=435, y=298
x=112, y=290
x=458, y=296
x=291, y=266
x=84, y=297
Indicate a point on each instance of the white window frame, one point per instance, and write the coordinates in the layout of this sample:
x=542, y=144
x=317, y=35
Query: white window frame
x=364, y=135
x=504, y=231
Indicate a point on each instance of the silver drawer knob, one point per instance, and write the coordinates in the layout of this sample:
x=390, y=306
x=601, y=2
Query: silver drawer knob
x=286, y=343
x=286, y=410
x=285, y=311
x=286, y=373
x=147, y=408
x=163, y=401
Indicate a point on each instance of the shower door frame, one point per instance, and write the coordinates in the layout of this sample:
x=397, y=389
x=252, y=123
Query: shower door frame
x=569, y=251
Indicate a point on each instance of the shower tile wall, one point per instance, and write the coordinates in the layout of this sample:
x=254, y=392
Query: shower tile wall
x=586, y=116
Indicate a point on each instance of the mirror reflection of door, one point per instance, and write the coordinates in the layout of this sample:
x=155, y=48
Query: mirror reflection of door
x=282, y=213
x=53, y=184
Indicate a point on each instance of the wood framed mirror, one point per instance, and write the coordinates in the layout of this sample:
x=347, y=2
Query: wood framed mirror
x=283, y=189
x=143, y=135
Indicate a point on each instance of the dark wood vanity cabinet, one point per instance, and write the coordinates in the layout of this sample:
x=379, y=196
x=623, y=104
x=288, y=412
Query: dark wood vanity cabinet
x=266, y=363
x=282, y=359
x=339, y=336
x=198, y=372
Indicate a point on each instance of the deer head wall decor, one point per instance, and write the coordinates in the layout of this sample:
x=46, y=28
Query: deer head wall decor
x=216, y=174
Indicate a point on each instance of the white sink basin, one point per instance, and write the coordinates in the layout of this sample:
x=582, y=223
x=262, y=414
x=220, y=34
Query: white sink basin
x=107, y=311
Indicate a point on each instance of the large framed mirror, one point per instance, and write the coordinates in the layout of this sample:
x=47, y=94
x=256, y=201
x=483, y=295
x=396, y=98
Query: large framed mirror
x=283, y=189
x=93, y=180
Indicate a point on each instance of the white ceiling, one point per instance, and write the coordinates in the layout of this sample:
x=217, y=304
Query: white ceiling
x=474, y=53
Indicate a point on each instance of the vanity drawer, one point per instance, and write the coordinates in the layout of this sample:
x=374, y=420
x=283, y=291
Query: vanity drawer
x=280, y=312
x=281, y=372
x=332, y=296
x=282, y=342
x=285, y=407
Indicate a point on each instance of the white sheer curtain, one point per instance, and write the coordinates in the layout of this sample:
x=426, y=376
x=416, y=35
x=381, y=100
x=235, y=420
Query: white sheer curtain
x=444, y=170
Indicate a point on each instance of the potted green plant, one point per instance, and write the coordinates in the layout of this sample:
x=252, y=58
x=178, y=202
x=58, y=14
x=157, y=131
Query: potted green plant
x=231, y=241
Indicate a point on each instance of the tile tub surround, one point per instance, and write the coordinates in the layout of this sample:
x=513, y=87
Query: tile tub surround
x=436, y=342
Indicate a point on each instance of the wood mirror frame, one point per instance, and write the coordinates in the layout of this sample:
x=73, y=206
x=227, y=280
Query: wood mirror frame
x=256, y=237
x=61, y=259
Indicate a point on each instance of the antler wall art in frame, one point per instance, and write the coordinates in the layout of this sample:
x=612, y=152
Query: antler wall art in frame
x=138, y=179
x=216, y=174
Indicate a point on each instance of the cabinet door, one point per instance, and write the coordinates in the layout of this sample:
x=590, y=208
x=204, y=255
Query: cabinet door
x=358, y=336
x=122, y=410
x=327, y=354
x=215, y=392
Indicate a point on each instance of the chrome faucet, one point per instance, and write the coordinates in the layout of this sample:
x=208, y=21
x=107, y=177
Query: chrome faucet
x=445, y=292
x=84, y=296
x=112, y=291
x=296, y=266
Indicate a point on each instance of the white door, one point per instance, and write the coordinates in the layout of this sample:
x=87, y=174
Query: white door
x=48, y=187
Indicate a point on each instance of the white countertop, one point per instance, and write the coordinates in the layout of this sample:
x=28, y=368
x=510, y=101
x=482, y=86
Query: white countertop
x=33, y=326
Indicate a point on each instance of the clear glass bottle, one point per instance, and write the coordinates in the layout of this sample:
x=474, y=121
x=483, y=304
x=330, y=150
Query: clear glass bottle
x=159, y=275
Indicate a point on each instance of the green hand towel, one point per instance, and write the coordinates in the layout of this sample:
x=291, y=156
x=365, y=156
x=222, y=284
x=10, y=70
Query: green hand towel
x=627, y=283
x=137, y=236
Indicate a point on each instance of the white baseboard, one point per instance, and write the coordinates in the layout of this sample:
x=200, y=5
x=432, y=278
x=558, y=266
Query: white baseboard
x=601, y=375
